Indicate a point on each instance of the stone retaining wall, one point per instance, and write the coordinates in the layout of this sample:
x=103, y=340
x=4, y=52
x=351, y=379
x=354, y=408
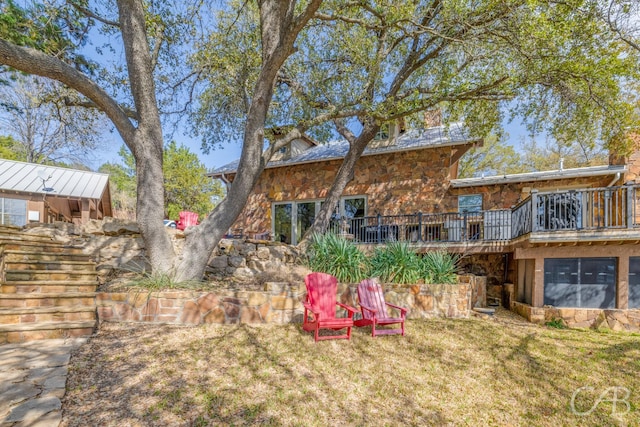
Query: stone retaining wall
x=617, y=320
x=277, y=303
x=118, y=249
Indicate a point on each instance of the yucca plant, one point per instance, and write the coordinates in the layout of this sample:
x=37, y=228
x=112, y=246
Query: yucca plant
x=332, y=254
x=440, y=267
x=396, y=263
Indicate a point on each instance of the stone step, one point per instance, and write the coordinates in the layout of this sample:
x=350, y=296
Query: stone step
x=26, y=254
x=51, y=299
x=50, y=265
x=13, y=333
x=48, y=286
x=18, y=234
x=50, y=246
x=48, y=275
x=47, y=314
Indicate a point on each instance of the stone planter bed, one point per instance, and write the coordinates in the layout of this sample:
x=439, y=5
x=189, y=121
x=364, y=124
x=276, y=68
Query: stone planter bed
x=279, y=302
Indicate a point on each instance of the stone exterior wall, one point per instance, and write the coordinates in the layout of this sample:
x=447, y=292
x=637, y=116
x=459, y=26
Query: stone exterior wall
x=395, y=183
x=616, y=320
x=279, y=303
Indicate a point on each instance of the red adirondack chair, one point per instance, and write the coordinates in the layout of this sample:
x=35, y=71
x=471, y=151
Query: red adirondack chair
x=320, y=307
x=187, y=219
x=374, y=309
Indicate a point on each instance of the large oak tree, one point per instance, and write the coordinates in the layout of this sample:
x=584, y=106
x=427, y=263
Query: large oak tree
x=365, y=61
x=139, y=124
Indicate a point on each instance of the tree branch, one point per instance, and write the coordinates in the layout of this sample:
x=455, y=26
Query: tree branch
x=35, y=62
x=89, y=104
x=92, y=14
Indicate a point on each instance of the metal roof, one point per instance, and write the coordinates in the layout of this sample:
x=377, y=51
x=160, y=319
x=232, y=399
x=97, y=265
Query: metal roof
x=25, y=178
x=539, y=176
x=441, y=136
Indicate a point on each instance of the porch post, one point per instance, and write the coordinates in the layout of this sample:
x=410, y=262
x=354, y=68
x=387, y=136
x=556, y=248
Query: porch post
x=622, y=289
x=537, y=290
x=630, y=204
x=534, y=210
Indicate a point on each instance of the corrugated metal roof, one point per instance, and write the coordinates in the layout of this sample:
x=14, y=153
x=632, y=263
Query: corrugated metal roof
x=539, y=176
x=25, y=178
x=454, y=134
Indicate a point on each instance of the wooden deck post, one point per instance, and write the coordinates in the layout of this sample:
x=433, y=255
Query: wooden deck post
x=631, y=190
x=534, y=210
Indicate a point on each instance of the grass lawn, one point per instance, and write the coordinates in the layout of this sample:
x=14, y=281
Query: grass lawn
x=444, y=372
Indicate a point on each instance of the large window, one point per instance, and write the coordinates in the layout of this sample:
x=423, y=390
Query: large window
x=291, y=220
x=634, y=282
x=13, y=212
x=580, y=282
x=470, y=203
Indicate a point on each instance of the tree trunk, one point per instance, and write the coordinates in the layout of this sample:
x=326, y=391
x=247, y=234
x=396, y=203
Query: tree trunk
x=343, y=177
x=279, y=30
x=150, y=201
x=148, y=143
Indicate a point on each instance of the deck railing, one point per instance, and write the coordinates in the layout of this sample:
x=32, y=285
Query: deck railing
x=494, y=225
x=590, y=209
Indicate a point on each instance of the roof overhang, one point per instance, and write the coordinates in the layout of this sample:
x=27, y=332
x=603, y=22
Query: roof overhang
x=385, y=150
x=539, y=176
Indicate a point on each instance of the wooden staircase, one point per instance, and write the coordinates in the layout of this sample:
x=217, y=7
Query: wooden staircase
x=47, y=290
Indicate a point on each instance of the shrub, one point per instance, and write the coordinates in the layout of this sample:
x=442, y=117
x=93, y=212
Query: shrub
x=332, y=254
x=155, y=282
x=396, y=263
x=440, y=267
x=556, y=323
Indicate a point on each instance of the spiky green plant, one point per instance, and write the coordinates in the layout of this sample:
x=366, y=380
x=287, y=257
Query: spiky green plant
x=332, y=254
x=395, y=262
x=440, y=267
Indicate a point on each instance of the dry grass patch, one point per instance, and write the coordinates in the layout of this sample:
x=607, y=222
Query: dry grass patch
x=444, y=372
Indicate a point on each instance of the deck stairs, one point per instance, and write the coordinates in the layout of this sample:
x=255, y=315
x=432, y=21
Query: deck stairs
x=47, y=289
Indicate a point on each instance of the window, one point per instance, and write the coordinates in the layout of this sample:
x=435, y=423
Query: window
x=306, y=214
x=291, y=220
x=383, y=133
x=353, y=207
x=470, y=203
x=634, y=282
x=580, y=282
x=13, y=211
x=282, y=229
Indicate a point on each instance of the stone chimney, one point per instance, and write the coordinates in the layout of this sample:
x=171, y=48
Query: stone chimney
x=432, y=118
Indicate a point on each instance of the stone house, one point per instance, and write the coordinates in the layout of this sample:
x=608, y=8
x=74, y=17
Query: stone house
x=565, y=238
x=33, y=193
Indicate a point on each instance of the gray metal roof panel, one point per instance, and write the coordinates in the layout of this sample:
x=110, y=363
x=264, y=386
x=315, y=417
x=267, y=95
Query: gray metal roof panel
x=454, y=134
x=539, y=176
x=23, y=177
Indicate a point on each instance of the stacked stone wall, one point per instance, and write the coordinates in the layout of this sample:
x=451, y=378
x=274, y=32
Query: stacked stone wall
x=278, y=303
x=117, y=248
x=616, y=320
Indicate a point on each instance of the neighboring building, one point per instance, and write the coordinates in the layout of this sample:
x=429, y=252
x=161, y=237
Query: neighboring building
x=38, y=193
x=565, y=238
